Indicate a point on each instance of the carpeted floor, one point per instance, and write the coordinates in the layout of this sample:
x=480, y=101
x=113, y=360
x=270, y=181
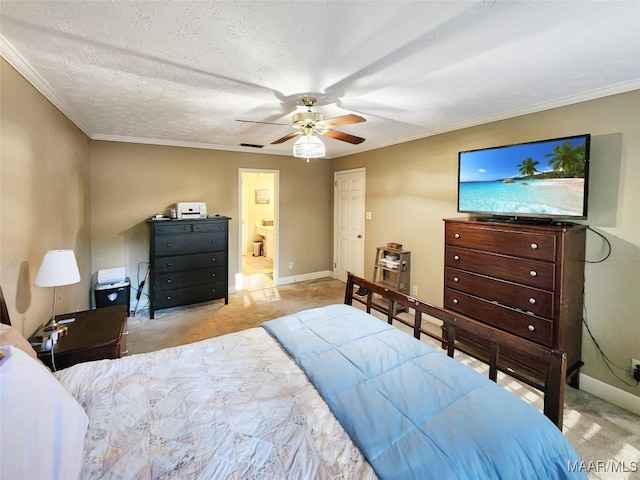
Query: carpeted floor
x=606, y=437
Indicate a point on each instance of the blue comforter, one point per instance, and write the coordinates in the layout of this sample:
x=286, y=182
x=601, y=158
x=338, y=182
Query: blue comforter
x=413, y=411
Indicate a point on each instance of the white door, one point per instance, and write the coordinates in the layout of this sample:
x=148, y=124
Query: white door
x=349, y=213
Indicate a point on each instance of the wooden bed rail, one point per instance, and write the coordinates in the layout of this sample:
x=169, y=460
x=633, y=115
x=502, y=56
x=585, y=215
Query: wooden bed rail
x=488, y=341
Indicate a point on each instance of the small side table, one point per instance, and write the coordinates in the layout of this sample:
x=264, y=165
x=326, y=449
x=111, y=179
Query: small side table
x=94, y=335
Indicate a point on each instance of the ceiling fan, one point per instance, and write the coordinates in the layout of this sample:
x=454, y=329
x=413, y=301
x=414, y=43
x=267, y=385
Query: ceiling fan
x=309, y=124
x=312, y=123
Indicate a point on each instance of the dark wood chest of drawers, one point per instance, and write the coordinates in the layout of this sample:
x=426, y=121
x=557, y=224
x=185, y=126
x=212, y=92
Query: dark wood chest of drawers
x=525, y=279
x=188, y=261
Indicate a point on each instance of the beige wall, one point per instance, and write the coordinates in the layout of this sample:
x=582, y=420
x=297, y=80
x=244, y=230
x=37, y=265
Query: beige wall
x=44, y=201
x=412, y=187
x=131, y=182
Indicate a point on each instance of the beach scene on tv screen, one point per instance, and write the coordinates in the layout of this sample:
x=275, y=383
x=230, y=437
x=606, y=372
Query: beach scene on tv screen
x=543, y=178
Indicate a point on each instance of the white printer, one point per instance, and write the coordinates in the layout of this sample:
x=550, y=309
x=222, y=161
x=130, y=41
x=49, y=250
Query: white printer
x=186, y=210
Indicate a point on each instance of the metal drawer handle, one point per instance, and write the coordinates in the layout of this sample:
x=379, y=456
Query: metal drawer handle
x=168, y=297
x=168, y=244
x=455, y=301
x=213, y=259
x=213, y=274
x=168, y=264
x=213, y=241
x=185, y=228
x=532, y=301
x=213, y=290
x=457, y=235
x=168, y=280
x=534, y=246
x=533, y=273
x=456, y=279
x=531, y=328
x=456, y=258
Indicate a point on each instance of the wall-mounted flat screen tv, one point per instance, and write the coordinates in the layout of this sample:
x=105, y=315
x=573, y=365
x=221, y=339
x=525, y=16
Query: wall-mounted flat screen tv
x=546, y=179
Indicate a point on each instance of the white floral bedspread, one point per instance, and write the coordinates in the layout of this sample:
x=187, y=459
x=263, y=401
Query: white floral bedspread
x=234, y=407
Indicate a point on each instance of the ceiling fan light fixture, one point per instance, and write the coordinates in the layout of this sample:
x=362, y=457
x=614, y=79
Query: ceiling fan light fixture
x=308, y=146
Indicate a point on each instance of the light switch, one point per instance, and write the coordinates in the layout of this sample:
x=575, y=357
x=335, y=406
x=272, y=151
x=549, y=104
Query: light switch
x=367, y=215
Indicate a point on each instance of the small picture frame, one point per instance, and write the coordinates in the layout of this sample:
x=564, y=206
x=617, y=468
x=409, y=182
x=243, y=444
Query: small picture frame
x=262, y=197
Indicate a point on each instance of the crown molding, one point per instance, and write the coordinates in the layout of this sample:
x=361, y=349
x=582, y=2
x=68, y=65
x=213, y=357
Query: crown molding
x=610, y=90
x=17, y=61
x=178, y=143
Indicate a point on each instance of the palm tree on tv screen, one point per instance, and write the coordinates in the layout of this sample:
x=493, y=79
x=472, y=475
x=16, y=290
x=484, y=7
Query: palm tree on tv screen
x=567, y=161
x=528, y=167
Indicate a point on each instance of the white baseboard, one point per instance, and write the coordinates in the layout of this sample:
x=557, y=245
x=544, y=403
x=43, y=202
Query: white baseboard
x=610, y=393
x=304, y=277
x=293, y=279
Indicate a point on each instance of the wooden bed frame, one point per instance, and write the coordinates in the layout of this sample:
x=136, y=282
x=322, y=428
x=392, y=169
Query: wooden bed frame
x=553, y=362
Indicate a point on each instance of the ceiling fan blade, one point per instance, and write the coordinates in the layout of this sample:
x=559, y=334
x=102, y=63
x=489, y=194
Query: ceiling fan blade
x=265, y=123
x=285, y=138
x=342, y=120
x=345, y=137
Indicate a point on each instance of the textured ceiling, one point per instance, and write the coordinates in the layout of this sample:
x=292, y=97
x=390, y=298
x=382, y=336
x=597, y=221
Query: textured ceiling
x=183, y=73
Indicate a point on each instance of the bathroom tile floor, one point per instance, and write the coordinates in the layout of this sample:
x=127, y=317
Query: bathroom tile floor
x=257, y=272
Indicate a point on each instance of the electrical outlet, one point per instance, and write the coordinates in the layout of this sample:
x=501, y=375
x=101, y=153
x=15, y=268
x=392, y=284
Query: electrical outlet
x=414, y=290
x=290, y=265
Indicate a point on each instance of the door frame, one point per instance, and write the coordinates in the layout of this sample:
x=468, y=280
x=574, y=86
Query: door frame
x=242, y=228
x=363, y=172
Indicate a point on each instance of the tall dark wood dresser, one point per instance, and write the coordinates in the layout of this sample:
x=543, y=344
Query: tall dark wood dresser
x=523, y=278
x=188, y=262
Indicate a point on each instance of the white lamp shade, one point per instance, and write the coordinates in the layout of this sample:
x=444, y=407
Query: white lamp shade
x=58, y=268
x=308, y=146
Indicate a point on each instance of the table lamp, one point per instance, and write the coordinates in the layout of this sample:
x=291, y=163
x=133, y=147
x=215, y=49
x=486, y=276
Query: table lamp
x=58, y=268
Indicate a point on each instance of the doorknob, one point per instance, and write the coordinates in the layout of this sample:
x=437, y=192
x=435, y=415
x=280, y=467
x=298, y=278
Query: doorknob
x=359, y=236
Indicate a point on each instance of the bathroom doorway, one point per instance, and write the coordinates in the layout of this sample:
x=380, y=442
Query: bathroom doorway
x=259, y=228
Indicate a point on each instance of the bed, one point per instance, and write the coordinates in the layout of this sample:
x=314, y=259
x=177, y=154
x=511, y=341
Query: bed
x=331, y=392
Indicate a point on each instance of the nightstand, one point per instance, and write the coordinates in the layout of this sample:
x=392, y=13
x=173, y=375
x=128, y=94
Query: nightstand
x=94, y=335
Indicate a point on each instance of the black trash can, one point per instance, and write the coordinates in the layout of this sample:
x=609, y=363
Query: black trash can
x=108, y=294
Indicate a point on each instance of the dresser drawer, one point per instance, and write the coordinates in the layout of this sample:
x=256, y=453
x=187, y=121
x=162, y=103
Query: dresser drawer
x=167, y=281
x=528, y=299
x=182, y=244
x=189, y=295
x=520, y=270
x=170, y=228
x=164, y=228
x=538, y=246
x=528, y=326
x=210, y=227
x=189, y=262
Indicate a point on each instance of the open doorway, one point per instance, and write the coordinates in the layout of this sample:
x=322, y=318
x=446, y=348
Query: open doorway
x=258, y=223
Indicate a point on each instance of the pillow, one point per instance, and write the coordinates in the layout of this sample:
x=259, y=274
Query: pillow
x=11, y=336
x=43, y=426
